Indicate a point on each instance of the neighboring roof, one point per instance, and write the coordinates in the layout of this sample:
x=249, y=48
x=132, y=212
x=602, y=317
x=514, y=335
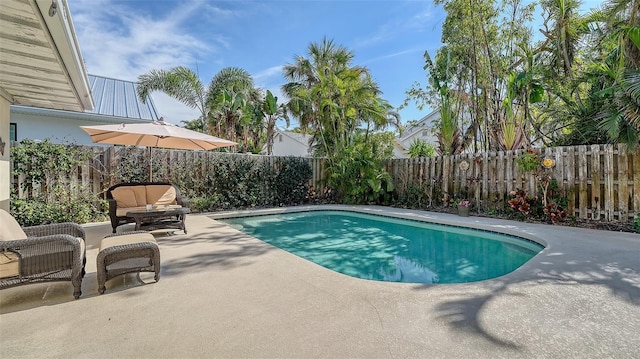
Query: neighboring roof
x=119, y=98
x=420, y=125
x=40, y=60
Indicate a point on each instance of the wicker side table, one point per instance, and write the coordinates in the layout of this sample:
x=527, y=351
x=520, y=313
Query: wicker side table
x=127, y=253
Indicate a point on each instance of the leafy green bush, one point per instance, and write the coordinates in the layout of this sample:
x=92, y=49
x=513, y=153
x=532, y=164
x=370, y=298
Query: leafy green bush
x=359, y=178
x=413, y=196
x=419, y=148
x=60, y=206
x=529, y=161
x=212, y=182
x=45, y=169
x=240, y=181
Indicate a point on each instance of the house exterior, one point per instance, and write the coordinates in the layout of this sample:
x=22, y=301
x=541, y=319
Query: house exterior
x=40, y=65
x=399, y=151
x=422, y=130
x=287, y=143
x=116, y=101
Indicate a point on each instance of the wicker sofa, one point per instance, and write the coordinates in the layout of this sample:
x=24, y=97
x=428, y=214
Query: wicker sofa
x=53, y=252
x=127, y=197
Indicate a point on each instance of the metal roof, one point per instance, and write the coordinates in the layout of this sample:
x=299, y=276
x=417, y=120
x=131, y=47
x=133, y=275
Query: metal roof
x=40, y=60
x=119, y=98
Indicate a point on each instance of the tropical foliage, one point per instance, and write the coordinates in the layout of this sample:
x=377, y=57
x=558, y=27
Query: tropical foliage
x=419, y=148
x=341, y=107
x=579, y=83
x=230, y=107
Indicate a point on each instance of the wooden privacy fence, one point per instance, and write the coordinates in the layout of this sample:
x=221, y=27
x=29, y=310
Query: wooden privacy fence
x=601, y=182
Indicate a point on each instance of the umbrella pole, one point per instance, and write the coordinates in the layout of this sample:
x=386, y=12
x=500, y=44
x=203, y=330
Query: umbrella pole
x=150, y=164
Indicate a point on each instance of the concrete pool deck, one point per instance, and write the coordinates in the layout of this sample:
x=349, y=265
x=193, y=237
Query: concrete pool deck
x=223, y=294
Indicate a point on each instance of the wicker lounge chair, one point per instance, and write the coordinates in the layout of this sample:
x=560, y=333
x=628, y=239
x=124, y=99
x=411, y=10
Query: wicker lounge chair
x=53, y=252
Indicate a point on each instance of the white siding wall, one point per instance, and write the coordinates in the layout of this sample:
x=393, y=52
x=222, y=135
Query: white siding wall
x=56, y=129
x=286, y=146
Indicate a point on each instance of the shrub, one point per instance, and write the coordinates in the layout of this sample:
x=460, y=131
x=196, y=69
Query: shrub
x=526, y=206
x=60, y=206
x=528, y=161
x=240, y=181
x=48, y=198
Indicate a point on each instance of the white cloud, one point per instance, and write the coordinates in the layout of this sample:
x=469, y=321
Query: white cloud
x=268, y=75
x=118, y=42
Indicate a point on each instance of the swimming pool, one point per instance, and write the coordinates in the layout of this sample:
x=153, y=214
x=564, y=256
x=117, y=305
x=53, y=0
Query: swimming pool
x=389, y=249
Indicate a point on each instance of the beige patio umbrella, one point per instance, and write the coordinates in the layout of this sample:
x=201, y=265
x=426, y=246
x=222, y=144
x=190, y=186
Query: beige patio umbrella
x=155, y=134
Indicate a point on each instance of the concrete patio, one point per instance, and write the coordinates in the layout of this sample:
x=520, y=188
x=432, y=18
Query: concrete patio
x=223, y=294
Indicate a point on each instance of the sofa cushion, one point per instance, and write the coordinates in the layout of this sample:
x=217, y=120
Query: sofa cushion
x=11, y=229
x=139, y=195
x=122, y=211
x=161, y=194
x=125, y=197
x=126, y=239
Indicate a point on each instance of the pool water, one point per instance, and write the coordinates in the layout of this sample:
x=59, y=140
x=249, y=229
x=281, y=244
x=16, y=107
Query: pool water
x=388, y=249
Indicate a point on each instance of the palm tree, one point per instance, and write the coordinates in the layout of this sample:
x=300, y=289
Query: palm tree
x=231, y=93
x=563, y=33
x=273, y=111
x=180, y=83
x=333, y=98
x=221, y=105
x=620, y=114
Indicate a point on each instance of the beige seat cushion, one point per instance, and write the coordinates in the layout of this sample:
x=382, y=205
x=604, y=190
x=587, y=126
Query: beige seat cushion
x=122, y=212
x=11, y=229
x=9, y=265
x=161, y=194
x=126, y=239
x=130, y=196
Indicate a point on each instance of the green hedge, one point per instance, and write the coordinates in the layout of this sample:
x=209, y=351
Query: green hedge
x=239, y=182
x=214, y=182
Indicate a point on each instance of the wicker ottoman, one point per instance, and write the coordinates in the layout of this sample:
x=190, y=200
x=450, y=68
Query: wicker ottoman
x=128, y=253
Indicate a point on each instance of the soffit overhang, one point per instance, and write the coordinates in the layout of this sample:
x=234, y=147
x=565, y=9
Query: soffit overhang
x=40, y=60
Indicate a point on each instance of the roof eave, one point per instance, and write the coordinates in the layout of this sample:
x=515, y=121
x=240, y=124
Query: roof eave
x=65, y=43
x=86, y=116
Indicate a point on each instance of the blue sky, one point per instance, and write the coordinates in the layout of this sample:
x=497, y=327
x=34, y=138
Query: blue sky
x=124, y=39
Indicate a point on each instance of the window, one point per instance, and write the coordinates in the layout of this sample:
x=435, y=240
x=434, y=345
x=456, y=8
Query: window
x=279, y=138
x=13, y=132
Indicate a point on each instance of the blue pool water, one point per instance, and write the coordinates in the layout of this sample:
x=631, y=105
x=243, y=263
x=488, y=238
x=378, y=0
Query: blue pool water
x=388, y=249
